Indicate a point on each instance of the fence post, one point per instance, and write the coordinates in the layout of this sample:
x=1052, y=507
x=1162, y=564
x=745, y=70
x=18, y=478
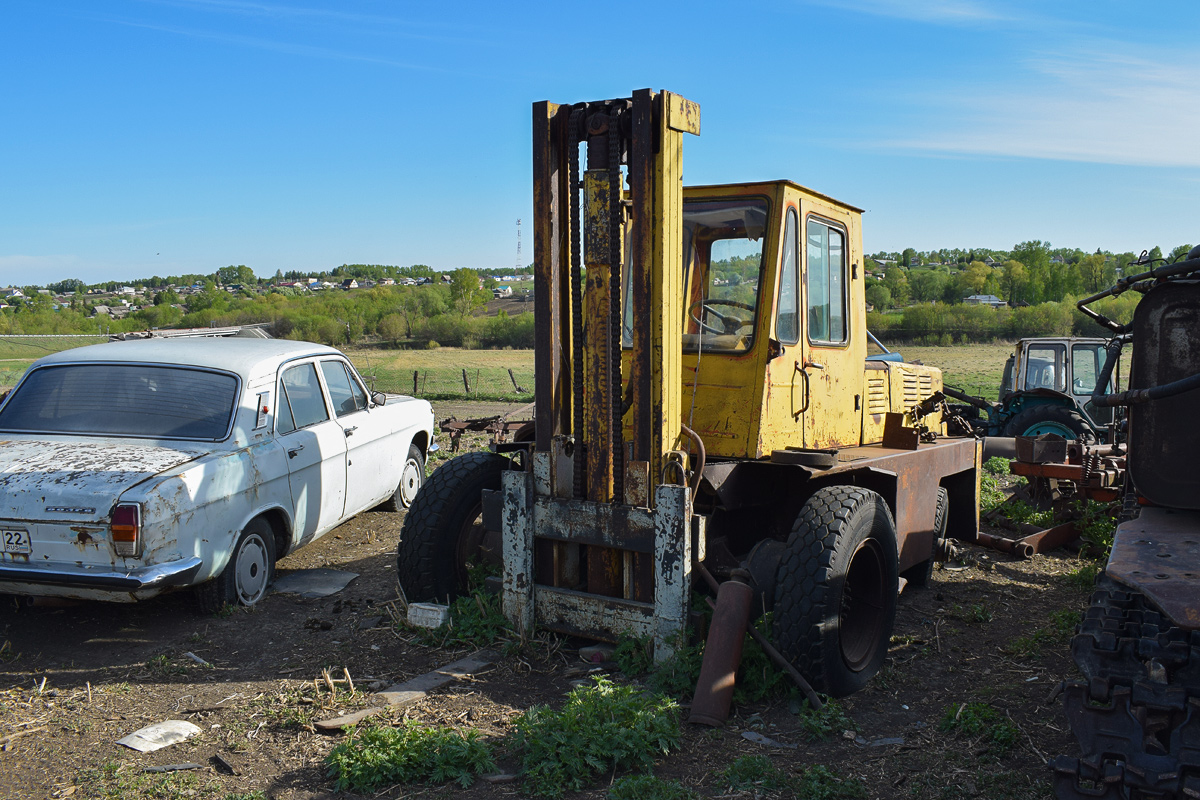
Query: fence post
x=466, y=386
x=414, y=381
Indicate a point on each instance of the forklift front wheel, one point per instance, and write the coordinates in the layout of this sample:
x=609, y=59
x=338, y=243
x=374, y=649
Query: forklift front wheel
x=443, y=530
x=835, y=592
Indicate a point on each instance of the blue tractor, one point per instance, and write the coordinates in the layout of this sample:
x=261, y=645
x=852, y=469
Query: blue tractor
x=1047, y=387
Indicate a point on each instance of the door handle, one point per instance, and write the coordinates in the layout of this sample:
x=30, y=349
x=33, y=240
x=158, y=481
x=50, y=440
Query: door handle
x=350, y=431
x=799, y=369
x=295, y=451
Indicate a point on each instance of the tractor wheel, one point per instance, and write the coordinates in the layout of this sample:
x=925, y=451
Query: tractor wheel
x=246, y=577
x=920, y=574
x=412, y=475
x=835, y=591
x=443, y=530
x=1046, y=418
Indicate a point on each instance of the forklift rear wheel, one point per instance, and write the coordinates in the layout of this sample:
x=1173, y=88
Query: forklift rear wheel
x=443, y=531
x=921, y=574
x=835, y=593
x=1045, y=418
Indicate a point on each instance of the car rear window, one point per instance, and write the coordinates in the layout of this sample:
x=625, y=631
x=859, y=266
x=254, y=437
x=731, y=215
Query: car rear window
x=135, y=400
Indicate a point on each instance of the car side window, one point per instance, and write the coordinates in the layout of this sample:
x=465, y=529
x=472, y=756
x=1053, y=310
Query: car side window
x=346, y=394
x=305, y=403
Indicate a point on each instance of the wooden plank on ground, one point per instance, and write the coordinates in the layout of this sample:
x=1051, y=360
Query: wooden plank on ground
x=415, y=689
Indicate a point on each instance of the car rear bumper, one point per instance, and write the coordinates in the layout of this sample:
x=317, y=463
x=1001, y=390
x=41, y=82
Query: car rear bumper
x=172, y=573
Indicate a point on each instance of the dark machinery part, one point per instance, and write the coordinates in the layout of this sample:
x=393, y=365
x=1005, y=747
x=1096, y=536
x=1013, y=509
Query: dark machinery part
x=1137, y=715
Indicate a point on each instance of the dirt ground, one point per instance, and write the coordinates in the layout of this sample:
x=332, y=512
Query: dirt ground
x=76, y=678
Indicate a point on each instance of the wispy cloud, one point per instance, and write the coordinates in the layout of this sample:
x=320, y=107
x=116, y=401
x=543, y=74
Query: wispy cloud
x=1087, y=105
x=945, y=12
x=291, y=48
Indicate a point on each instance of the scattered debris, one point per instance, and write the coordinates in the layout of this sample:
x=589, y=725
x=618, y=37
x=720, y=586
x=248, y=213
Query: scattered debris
x=197, y=659
x=8, y=740
x=428, y=615
x=173, y=767
x=314, y=583
x=758, y=738
x=415, y=689
x=225, y=765
x=597, y=654
x=159, y=735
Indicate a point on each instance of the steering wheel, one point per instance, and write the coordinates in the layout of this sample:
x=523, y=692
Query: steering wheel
x=1080, y=386
x=732, y=324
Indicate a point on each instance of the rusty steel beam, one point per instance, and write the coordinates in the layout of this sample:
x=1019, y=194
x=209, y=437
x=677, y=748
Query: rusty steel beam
x=552, y=255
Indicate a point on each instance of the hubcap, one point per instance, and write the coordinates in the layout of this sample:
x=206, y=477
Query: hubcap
x=862, y=606
x=1050, y=427
x=410, y=481
x=251, y=570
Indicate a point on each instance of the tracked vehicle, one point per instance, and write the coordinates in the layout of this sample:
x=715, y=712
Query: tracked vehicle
x=703, y=397
x=1137, y=715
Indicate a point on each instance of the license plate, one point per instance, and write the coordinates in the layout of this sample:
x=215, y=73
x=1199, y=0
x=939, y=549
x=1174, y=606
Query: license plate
x=16, y=542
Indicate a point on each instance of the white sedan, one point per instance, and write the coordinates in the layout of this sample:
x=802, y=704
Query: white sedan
x=130, y=468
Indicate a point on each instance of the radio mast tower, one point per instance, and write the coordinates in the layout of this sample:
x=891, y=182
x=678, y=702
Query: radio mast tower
x=519, y=265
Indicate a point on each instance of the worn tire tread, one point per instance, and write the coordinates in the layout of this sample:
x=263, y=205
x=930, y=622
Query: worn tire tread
x=425, y=552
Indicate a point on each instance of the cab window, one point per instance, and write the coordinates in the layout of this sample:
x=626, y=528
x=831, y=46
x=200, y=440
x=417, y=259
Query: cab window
x=722, y=268
x=347, y=396
x=303, y=404
x=1087, y=360
x=826, y=289
x=1044, y=368
x=787, y=309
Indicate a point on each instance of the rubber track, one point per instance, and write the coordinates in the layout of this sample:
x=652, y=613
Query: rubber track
x=424, y=556
x=804, y=574
x=1137, y=718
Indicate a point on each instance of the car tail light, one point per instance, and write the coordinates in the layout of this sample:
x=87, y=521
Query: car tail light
x=126, y=526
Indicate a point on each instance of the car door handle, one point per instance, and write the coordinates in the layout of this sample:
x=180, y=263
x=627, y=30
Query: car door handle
x=350, y=431
x=295, y=451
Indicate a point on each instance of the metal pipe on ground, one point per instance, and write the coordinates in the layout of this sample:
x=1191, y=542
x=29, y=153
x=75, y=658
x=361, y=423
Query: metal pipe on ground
x=776, y=657
x=722, y=654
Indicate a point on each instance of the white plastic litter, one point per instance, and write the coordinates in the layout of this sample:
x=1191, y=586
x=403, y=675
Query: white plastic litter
x=159, y=735
x=428, y=615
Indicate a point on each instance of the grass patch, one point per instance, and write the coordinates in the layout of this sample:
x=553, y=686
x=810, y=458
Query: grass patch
x=982, y=721
x=648, y=787
x=374, y=758
x=1083, y=577
x=475, y=620
x=758, y=776
x=601, y=729
x=829, y=722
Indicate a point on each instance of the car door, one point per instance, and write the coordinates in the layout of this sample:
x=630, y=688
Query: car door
x=372, y=459
x=316, y=448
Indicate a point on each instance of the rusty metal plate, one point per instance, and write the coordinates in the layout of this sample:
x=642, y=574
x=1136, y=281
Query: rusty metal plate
x=1159, y=554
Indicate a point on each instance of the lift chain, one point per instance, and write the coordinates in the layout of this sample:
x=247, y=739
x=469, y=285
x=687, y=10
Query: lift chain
x=579, y=485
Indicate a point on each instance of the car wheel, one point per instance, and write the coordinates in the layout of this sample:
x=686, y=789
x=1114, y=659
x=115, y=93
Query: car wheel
x=443, y=530
x=1046, y=418
x=835, y=591
x=412, y=478
x=246, y=577
x=921, y=574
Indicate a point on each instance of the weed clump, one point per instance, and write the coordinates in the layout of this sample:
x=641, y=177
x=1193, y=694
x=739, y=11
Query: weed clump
x=602, y=728
x=648, y=787
x=756, y=774
x=373, y=757
x=980, y=719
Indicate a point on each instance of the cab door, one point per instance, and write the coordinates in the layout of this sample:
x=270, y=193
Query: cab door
x=830, y=371
x=786, y=397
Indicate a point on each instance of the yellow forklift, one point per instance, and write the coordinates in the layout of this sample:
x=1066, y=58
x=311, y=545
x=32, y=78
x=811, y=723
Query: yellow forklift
x=705, y=404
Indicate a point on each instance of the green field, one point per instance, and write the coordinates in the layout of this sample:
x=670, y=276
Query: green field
x=975, y=368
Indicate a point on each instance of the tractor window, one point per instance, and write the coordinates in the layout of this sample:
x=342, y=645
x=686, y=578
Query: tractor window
x=1044, y=367
x=722, y=269
x=826, y=276
x=787, y=313
x=1087, y=360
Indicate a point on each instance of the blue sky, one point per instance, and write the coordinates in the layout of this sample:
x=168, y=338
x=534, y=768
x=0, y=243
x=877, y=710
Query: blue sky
x=157, y=137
